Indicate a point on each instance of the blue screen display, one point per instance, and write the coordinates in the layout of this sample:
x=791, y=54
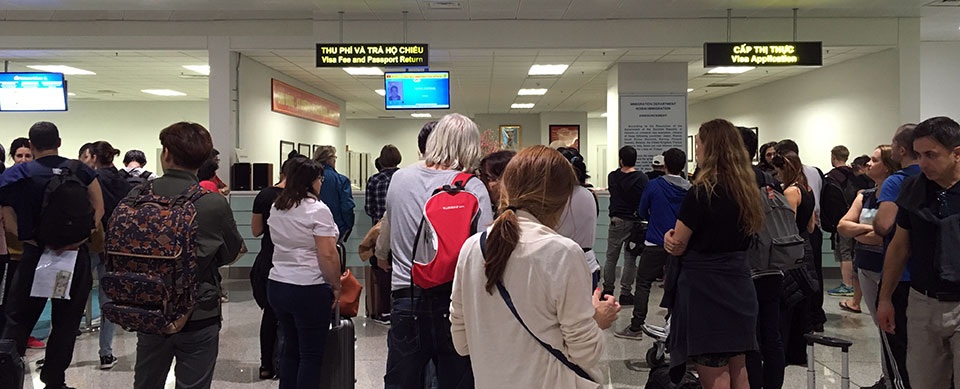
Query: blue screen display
x=417, y=90
x=32, y=92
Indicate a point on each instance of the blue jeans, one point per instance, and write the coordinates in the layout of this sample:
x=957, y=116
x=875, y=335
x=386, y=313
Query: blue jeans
x=304, y=315
x=107, y=328
x=420, y=332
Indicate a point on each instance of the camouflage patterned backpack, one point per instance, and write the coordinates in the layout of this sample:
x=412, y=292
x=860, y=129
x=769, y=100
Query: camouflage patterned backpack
x=151, y=261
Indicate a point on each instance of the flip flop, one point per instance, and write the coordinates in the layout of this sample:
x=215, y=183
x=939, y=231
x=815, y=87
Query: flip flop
x=845, y=307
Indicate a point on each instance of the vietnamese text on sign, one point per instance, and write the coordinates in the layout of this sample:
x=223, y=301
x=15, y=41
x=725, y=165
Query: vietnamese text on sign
x=760, y=54
x=371, y=54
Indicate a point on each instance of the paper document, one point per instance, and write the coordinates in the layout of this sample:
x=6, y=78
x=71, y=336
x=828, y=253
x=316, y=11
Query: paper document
x=54, y=274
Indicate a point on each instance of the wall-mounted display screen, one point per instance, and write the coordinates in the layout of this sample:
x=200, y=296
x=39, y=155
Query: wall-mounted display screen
x=417, y=90
x=32, y=92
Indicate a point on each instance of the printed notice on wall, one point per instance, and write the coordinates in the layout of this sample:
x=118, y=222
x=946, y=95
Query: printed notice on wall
x=652, y=124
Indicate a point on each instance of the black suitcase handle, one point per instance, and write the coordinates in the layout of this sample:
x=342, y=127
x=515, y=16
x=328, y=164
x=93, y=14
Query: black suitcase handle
x=843, y=344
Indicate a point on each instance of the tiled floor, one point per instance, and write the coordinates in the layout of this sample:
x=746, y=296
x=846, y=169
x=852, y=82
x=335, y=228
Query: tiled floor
x=624, y=364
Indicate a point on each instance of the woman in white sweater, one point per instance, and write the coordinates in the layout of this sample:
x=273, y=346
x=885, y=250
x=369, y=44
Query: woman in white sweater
x=543, y=274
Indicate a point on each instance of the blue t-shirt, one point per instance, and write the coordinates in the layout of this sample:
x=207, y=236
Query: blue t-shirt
x=891, y=186
x=889, y=192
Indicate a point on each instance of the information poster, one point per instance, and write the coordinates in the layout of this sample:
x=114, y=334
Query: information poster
x=652, y=124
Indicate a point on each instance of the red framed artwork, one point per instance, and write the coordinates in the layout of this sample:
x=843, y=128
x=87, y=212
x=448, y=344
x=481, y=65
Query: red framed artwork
x=293, y=101
x=565, y=135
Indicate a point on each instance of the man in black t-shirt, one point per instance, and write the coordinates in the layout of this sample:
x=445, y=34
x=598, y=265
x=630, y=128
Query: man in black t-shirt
x=928, y=234
x=22, y=191
x=626, y=186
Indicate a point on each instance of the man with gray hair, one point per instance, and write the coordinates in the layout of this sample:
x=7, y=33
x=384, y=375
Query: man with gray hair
x=419, y=318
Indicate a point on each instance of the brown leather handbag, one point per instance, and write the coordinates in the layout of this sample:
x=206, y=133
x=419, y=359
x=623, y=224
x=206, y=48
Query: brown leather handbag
x=350, y=290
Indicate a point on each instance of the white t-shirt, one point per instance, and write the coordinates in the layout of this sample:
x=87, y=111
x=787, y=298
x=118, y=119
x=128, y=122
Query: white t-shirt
x=295, y=249
x=579, y=222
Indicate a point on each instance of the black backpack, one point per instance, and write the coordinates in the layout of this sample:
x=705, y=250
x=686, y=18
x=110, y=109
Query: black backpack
x=835, y=199
x=66, y=216
x=135, y=179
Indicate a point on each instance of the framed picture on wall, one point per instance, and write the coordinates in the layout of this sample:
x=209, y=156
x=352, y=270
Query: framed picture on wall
x=306, y=149
x=285, y=149
x=315, y=147
x=565, y=135
x=691, y=148
x=510, y=137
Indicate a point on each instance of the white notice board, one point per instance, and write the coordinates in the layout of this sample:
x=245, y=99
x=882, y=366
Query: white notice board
x=652, y=124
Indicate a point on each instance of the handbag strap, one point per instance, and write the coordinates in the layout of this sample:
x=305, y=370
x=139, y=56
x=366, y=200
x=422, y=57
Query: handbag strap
x=506, y=298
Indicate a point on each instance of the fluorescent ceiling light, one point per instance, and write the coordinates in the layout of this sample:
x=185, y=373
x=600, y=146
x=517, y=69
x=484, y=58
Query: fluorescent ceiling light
x=62, y=69
x=163, y=92
x=521, y=105
x=532, y=92
x=547, y=70
x=364, y=71
x=381, y=92
x=71, y=94
x=202, y=69
x=731, y=69
x=421, y=115
x=689, y=90
x=603, y=115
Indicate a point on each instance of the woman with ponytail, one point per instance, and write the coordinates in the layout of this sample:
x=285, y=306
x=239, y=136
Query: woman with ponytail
x=545, y=276
x=708, y=287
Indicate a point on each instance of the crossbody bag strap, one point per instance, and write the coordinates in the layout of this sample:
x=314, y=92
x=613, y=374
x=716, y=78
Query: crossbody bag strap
x=506, y=298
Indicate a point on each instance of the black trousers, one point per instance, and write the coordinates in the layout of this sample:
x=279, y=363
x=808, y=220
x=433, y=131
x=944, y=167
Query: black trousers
x=765, y=367
x=23, y=311
x=652, y=261
x=817, y=315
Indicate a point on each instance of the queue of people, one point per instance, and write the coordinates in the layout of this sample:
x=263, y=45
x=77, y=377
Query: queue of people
x=514, y=273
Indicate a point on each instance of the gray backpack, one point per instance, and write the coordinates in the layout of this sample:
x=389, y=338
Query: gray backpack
x=778, y=246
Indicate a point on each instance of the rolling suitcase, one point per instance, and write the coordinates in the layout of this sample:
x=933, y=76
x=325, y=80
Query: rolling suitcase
x=11, y=365
x=842, y=344
x=339, y=355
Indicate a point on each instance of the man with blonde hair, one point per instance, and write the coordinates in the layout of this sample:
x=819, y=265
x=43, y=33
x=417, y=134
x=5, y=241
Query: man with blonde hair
x=419, y=318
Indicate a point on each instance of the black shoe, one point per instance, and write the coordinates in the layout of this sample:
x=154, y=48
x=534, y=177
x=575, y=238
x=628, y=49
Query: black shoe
x=61, y=386
x=107, y=361
x=816, y=328
x=626, y=299
x=266, y=374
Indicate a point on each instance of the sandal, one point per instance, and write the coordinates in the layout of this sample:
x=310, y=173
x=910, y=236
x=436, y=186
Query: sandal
x=845, y=307
x=266, y=374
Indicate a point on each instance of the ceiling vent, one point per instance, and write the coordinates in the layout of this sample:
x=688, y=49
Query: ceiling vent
x=722, y=85
x=944, y=3
x=194, y=76
x=444, y=4
x=386, y=117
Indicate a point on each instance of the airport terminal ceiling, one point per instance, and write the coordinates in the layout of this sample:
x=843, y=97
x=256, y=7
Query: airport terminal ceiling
x=482, y=80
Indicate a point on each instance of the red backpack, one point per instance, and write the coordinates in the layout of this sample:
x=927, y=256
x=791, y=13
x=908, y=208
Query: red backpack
x=450, y=216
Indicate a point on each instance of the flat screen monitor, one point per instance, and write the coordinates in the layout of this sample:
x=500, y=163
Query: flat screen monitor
x=32, y=92
x=417, y=90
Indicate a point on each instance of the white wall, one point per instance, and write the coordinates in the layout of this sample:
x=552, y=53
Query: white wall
x=126, y=125
x=261, y=129
x=855, y=103
x=939, y=79
x=370, y=135
x=594, y=151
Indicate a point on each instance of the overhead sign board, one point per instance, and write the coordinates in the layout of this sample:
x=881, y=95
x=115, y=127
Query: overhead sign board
x=760, y=54
x=344, y=55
